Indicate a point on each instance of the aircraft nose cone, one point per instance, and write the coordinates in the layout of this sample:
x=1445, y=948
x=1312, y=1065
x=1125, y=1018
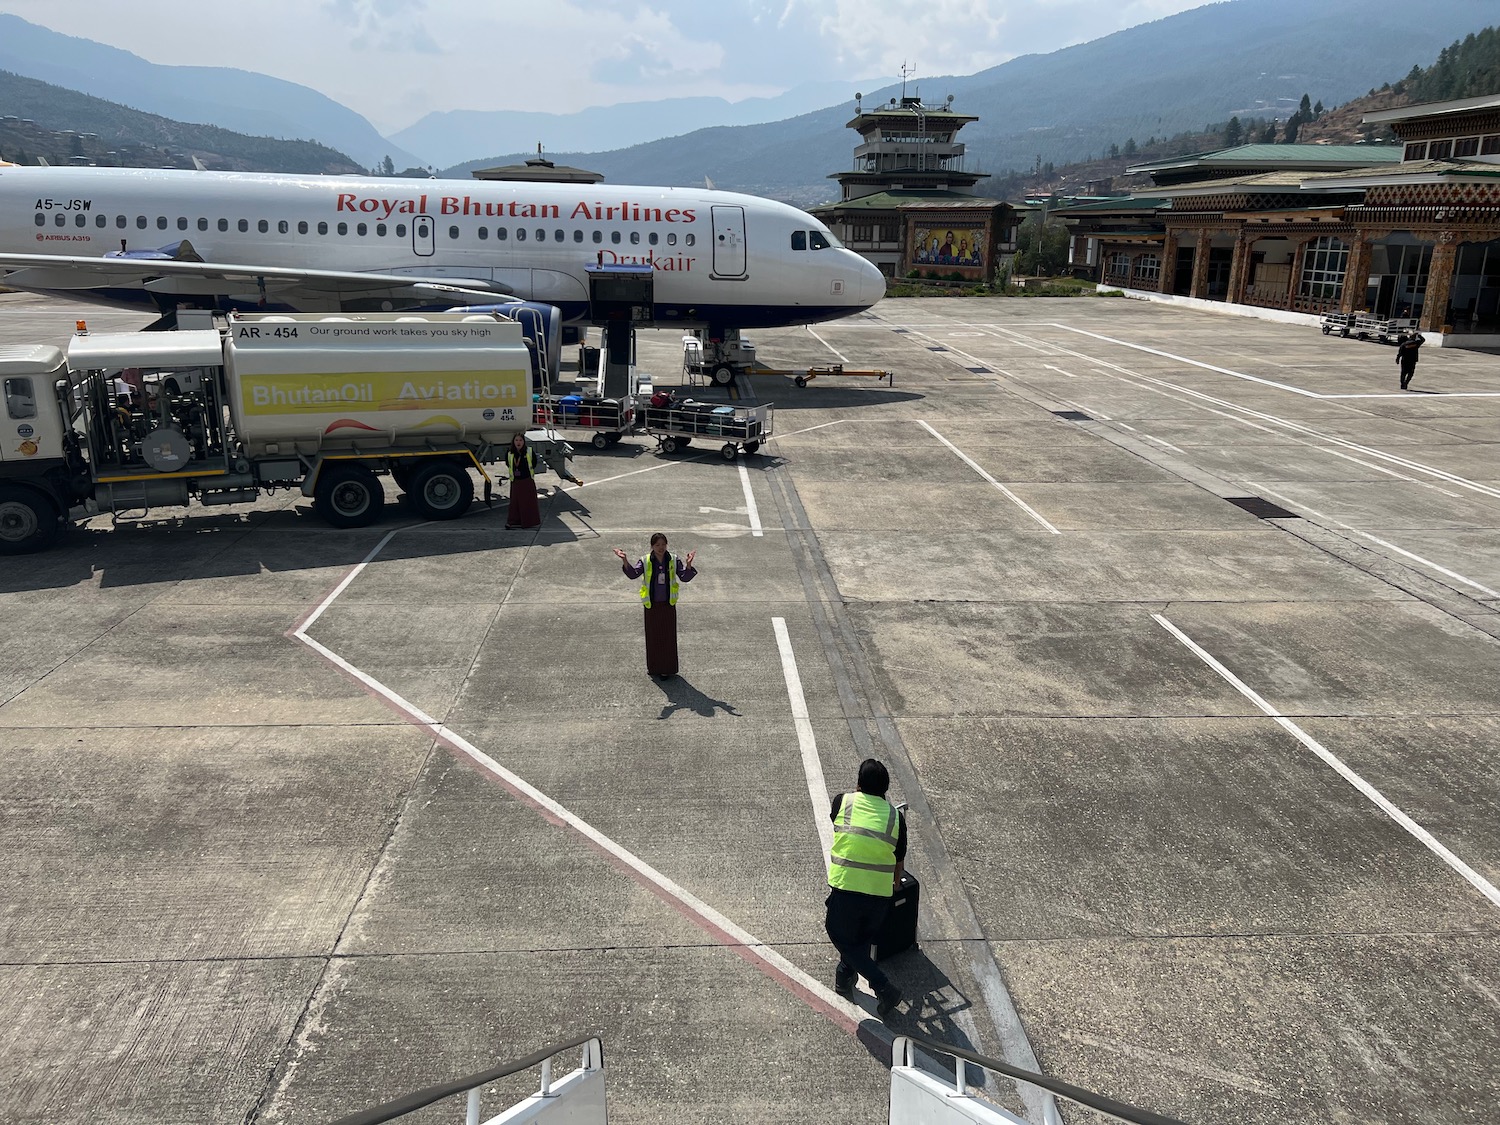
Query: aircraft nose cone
x=871, y=283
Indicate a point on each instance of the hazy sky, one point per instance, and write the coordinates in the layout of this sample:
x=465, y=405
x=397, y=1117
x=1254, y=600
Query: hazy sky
x=395, y=60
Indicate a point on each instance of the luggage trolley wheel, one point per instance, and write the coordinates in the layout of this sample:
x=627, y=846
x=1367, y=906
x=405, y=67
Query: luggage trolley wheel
x=730, y=451
x=601, y=441
x=669, y=444
x=1327, y=329
x=751, y=446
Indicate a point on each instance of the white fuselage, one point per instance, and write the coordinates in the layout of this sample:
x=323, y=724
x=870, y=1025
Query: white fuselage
x=717, y=257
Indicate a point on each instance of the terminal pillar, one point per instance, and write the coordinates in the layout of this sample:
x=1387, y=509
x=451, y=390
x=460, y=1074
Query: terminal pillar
x=1439, y=282
x=1200, y=265
x=1168, y=262
x=1294, y=282
x=1357, y=276
x=1239, y=269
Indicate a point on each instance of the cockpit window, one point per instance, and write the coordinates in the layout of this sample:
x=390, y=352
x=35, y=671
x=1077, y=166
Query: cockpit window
x=817, y=240
x=799, y=240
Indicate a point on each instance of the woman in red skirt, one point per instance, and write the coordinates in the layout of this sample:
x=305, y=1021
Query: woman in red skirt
x=660, y=575
x=520, y=462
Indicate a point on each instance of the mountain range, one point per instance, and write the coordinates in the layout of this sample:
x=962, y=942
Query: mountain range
x=1180, y=73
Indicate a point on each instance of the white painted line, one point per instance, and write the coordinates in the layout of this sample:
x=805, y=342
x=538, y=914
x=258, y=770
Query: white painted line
x=1387, y=472
x=810, y=429
x=1195, y=363
x=1443, y=570
x=826, y=344
x=754, y=513
x=967, y=460
x=1477, y=881
x=812, y=765
x=307, y=621
x=1059, y=370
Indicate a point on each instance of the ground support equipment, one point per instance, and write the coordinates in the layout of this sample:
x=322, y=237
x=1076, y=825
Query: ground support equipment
x=739, y=427
x=609, y=418
x=1342, y=323
x=805, y=375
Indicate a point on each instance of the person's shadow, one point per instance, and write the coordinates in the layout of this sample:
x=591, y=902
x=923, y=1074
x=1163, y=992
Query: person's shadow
x=932, y=1005
x=683, y=696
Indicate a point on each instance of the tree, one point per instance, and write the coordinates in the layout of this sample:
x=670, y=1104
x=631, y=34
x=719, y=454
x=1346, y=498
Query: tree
x=1317, y=111
x=387, y=166
x=1293, y=125
x=1041, y=248
x=1305, y=108
x=1268, y=135
x=1234, y=133
x=1130, y=147
x=1114, y=152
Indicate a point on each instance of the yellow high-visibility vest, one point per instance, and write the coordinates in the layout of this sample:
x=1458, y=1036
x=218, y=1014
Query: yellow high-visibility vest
x=648, y=574
x=510, y=461
x=865, y=835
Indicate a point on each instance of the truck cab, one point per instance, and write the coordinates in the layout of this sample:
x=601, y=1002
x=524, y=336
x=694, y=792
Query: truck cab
x=35, y=432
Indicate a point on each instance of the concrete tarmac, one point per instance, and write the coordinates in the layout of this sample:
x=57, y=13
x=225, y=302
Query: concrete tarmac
x=1177, y=630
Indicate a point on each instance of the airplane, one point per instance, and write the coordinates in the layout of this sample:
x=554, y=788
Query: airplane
x=168, y=239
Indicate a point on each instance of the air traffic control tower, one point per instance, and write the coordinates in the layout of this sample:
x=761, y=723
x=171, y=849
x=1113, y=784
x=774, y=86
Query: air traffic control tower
x=908, y=204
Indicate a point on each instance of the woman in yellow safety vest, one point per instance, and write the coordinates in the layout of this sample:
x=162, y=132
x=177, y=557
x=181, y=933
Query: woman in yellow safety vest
x=660, y=575
x=520, y=463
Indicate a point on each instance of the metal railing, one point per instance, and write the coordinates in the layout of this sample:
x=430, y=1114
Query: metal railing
x=593, y=1064
x=902, y=1055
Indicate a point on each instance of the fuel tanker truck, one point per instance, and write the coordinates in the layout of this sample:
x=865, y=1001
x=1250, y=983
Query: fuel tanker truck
x=128, y=423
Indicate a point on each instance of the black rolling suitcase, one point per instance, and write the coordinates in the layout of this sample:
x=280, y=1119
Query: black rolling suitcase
x=899, y=933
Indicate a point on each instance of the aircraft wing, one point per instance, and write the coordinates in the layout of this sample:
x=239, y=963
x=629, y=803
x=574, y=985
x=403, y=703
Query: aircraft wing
x=317, y=289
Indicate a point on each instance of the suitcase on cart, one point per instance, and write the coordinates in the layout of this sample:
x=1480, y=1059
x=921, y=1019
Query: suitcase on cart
x=899, y=933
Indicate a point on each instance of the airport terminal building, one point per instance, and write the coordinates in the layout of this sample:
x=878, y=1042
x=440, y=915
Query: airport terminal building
x=1411, y=230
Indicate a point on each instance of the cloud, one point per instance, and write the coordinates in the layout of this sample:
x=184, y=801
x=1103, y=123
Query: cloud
x=394, y=26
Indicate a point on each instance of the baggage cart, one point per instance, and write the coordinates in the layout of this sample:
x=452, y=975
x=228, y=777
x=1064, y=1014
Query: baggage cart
x=677, y=424
x=609, y=418
x=1342, y=323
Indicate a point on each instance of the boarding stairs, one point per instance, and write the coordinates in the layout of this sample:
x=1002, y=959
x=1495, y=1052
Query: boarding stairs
x=929, y=1086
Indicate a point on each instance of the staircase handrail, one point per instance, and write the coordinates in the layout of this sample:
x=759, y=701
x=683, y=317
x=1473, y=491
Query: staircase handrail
x=417, y=1099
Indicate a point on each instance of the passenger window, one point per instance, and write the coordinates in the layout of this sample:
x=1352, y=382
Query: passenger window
x=379, y=230
x=283, y=227
x=81, y=221
x=243, y=225
x=20, y=401
x=161, y=222
x=520, y=234
x=690, y=240
x=41, y=220
x=263, y=226
x=484, y=234
x=361, y=229
x=101, y=222
x=120, y=221
x=202, y=224
x=322, y=228
x=400, y=230
x=140, y=222
x=598, y=236
x=501, y=234
x=302, y=227
x=182, y=223
x=653, y=238
x=614, y=236
x=635, y=238
x=60, y=220
x=799, y=240
x=541, y=235
x=578, y=236
x=223, y=224
x=559, y=235
x=816, y=240
x=343, y=228
x=453, y=233
x=671, y=238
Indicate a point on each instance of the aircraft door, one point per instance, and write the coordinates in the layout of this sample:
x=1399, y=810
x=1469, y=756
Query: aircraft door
x=423, y=236
x=729, y=242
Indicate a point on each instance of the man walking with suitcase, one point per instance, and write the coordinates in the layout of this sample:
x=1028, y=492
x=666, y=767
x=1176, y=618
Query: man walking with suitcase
x=864, y=868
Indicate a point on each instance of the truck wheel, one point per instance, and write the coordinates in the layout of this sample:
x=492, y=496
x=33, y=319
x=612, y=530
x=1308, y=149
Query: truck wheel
x=723, y=375
x=348, y=496
x=442, y=491
x=28, y=521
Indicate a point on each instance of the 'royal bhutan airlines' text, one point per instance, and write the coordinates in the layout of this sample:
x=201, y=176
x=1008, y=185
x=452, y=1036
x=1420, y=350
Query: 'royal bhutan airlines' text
x=623, y=211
